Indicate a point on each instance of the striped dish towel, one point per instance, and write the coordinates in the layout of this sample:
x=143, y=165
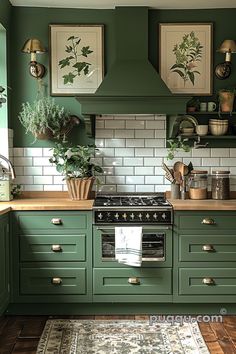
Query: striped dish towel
x=128, y=245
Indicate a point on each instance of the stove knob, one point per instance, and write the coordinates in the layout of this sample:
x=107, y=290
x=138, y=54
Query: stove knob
x=124, y=216
x=108, y=217
x=140, y=216
x=132, y=216
x=147, y=216
x=155, y=216
x=100, y=216
x=117, y=216
x=163, y=216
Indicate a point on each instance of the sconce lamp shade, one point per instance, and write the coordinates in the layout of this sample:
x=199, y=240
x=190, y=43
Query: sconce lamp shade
x=227, y=46
x=33, y=47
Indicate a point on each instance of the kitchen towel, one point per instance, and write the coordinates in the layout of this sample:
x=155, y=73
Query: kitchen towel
x=128, y=245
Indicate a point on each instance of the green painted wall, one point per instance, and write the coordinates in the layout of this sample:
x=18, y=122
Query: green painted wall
x=33, y=22
x=5, y=13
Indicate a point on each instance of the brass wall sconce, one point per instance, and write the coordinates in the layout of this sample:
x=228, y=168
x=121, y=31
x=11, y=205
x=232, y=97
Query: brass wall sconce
x=33, y=47
x=223, y=70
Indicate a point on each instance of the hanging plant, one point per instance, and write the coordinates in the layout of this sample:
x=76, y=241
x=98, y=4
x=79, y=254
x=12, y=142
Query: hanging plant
x=2, y=96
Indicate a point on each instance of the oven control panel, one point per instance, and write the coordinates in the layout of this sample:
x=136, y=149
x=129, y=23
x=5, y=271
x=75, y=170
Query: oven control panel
x=133, y=216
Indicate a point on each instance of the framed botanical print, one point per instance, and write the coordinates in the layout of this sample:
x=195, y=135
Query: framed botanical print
x=76, y=64
x=185, y=57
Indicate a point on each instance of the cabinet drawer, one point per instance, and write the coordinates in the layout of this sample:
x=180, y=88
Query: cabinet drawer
x=56, y=221
x=52, y=281
x=207, y=221
x=122, y=281
x=223, y=281
x=52, y=248
x=207, y=248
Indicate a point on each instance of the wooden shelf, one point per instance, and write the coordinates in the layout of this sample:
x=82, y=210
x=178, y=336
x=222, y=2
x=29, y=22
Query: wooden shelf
x=211, y=113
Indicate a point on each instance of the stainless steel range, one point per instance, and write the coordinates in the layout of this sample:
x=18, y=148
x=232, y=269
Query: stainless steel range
x=132, y=209
x=153, y=212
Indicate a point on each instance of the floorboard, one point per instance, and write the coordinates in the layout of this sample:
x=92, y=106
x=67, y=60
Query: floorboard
x=20, y=334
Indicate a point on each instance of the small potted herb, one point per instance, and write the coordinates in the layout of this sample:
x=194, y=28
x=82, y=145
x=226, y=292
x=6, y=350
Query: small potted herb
x=193, y=105
x=74, y=163
x=226, y=99
x=46, y=120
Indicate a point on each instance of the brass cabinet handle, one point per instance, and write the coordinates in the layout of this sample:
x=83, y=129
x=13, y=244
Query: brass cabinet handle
x=56, y=281
x=56, y=248
x=208, y=281
x=134, y=280
x=208, y=221
x=208, y=248
x=56, y=221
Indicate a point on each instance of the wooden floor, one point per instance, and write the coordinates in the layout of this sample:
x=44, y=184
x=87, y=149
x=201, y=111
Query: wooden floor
x=20, y=334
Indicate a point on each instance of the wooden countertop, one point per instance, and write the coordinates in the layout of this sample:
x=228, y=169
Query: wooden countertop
x=61, y=201
x=206, y=204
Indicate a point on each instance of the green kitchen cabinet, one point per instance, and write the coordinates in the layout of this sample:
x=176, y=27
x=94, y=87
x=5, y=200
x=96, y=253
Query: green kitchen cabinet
x=52, y=256
x=204, y=257
x=4, y=262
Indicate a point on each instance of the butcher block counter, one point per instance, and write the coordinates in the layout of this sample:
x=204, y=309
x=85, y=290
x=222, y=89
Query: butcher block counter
x=61, y=201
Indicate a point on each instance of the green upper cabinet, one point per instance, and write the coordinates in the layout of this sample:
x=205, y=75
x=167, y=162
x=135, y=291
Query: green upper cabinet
x=4, y=262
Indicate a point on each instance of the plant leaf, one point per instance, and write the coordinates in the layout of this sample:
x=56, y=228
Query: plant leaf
x=178, y=72
x=86, y=51
x=68, y=78
x=191, y=76
x=177, y=66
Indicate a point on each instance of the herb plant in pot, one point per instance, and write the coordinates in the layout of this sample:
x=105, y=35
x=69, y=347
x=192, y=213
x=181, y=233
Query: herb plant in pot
x=226, y=99
x=76, y=165
x=45, y=119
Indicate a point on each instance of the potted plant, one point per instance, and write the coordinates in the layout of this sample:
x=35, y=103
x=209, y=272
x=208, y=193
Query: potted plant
x=193, y=104
x=226, y=99
x=75, y=164
x=46, y=120
x=2, y=96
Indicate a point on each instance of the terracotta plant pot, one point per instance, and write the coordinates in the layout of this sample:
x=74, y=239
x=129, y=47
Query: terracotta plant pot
x=47, y=135
x=226, y=101
x=80, y=188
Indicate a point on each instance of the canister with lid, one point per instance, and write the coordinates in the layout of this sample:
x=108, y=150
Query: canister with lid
x=198, y=184
x=220, y=185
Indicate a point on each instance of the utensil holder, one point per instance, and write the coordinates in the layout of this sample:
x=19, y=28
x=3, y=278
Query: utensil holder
x=175, y=191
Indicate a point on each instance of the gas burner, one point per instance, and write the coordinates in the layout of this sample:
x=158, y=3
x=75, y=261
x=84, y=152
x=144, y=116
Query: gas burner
x=130, y=200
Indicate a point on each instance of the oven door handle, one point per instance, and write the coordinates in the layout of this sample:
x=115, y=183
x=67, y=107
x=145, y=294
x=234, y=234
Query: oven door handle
x=156, y=227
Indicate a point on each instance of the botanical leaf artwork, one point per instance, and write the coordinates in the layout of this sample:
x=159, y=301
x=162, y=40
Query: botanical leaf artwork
x=188, y=53
x=75, y=60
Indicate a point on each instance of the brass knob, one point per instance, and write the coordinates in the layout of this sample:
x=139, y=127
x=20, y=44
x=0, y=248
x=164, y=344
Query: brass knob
x=208, y=221
x=56, y=221
x=56, y=248
x=56, y=281
x=208, y=281
x=208, y=248
x=134, y=280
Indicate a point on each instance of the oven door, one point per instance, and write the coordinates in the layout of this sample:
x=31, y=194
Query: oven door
x=156, y=246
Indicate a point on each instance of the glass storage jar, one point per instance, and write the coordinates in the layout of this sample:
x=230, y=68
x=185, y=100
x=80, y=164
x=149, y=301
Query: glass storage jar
x=220, y=185
x=198, y=184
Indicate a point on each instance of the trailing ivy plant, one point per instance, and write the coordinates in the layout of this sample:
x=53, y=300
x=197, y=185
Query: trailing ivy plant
x=187, y=54
x=73, y=60
x=176, y=146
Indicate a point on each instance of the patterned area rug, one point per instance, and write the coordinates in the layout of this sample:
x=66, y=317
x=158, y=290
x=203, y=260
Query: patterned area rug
x=120, y=337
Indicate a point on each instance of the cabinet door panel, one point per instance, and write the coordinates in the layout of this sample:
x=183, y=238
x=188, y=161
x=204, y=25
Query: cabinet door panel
x=52, y=248
x=4, y=263
x=119, y=281
x=207, y=248
x=207, y=221
x=222, y=281
x=52, y=281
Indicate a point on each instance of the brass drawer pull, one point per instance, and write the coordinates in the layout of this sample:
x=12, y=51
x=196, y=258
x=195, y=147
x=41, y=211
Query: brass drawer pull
x=56, y=221
x=134, y=280
x=208, y=281
x=56, y=281
x=208, y=248
x=56, y=248
x=208, y=221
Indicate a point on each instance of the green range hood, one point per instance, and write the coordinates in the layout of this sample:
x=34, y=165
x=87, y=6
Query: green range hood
x=132, y=85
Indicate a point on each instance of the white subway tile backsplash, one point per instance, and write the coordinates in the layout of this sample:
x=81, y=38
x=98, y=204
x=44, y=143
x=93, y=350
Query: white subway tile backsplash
x=43, y=180
x=41, y=161
x=99, y=143
x=58, y=180
x=211, y=161
x=152, y=161
x=33, y=152
x=124, y=171
x=137, y=124
x=120, y=133
x=50, y=171
x=114, y=143
x=201, y=152
x=160, y=152
x=33, y=171
x=102, y=133
x=133, y=161
x=155, y=143
x=144, y=152
x=134, y=179
x=144, y=134
x=135, y=142
x=24, y=180
x=18, y=152
x=125, y=188
x=157, y=125
x=115, y=180
x=33, y=188
x=153, y=180
x=100, y=124
x=217, y=152
x=47, y=152
x=124, y=152
x=105, y=152
x=144, y=171
x=112, y=161
x=232, y=152
x=22, y=161
x=227, y=161
x=145, y=188
x=114, y=124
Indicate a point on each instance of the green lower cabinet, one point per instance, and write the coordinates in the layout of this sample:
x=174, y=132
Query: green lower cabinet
x=4, y=263
x=132, y=284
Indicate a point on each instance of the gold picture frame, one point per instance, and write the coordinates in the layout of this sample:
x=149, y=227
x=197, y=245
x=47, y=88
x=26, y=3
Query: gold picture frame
x=185, y=57
x=77, y=59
